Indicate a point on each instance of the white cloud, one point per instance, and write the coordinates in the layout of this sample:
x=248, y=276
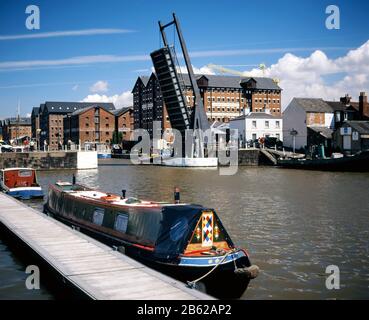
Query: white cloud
x=125, y=99
x=65, y=33
x=307, y=77
x=75, y=87
x=202, y=70
x=99, y=86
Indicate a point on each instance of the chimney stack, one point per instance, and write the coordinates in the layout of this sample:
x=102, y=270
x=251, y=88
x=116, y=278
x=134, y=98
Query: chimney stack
x=345, y=100
x=363, y=101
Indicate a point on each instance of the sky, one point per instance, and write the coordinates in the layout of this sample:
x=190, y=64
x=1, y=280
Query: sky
x=95, y=50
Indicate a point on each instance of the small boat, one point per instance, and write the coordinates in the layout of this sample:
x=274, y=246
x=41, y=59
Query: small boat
x=20, y=183
x=104, y=155
x=185, y=241
x=358, y=162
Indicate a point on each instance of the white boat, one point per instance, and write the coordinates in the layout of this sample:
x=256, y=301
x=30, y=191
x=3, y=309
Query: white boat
x=20, y=183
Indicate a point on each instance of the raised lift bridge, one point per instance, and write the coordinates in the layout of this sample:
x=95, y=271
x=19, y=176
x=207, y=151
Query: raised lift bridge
x=173, y=88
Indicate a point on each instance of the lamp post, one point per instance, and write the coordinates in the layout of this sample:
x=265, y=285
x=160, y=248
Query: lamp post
x=294, y=133
x=38, y=131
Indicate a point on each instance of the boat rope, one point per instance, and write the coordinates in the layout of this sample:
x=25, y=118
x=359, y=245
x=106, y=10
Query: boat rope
x=192, y=284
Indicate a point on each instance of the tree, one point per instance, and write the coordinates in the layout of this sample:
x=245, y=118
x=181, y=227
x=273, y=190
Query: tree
x=117, y=138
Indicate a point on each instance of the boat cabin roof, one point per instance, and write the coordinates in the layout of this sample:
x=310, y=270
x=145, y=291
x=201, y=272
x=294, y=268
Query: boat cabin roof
x=83, y=192
x=17, y=169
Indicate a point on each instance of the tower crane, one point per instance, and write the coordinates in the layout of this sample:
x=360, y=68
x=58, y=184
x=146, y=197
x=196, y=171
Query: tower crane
x=222, y=69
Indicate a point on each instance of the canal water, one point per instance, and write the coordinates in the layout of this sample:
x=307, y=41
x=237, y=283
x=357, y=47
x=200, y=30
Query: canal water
x=293, y=223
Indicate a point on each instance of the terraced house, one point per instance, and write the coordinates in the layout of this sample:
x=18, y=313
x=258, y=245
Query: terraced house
x=224, y=98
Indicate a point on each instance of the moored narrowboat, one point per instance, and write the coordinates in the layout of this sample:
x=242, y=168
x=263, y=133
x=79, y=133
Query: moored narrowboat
x=185, y=241
x=20, y=183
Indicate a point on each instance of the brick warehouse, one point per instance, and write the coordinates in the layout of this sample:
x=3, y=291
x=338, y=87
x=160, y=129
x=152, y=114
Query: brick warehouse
x=124, y=122
x=224, y=98
x=14, y=128
x=93, y=124
x=51, y=120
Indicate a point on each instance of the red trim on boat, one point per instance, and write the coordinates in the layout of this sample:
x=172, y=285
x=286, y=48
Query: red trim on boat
x=143, y=247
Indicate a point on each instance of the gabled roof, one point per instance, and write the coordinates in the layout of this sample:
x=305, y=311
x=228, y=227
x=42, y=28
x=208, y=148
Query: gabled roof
x=23, y=121
x=313, y=105
x=82, y=110
x=324, y=131
x=42, y=107
x=360, y=126
x=35, y=111
x=70, y=107
x=219, y=81
x=337, y=105
x=143, y=79
x=121, y=111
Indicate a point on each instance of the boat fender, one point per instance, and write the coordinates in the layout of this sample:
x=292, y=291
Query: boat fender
x=122, y=249
x=251, y=272
x=110, y=198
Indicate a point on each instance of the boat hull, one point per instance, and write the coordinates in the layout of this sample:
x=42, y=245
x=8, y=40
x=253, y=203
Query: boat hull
x=355, y=163
x=222, y=282
x=104, y=155
x=25, y=193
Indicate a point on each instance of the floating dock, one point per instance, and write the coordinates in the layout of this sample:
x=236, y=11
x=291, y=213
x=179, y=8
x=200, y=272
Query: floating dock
x=90, y=266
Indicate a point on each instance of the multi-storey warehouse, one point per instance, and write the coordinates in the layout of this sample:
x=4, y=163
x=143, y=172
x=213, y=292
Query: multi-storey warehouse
x=224, y=98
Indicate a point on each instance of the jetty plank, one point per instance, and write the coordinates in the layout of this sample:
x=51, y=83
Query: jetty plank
x=92, y=267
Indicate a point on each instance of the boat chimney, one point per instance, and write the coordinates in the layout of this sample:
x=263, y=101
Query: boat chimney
x=74, y=179
x=123, y=194
x=177, y=195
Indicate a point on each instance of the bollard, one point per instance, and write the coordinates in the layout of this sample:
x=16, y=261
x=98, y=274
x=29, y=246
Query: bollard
x=177, y=195
x=123, y=194
x=74, y=179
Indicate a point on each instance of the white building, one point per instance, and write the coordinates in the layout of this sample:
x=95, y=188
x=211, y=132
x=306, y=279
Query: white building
x=255, y=125
x=303, y=114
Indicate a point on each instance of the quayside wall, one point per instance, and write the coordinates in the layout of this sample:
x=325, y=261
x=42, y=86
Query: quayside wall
x=49, y=160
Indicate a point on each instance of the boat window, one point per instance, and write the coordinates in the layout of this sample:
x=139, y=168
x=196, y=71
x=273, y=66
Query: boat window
x=121, y=222
x=25, y=173
x=98, y=216
x=178, y=230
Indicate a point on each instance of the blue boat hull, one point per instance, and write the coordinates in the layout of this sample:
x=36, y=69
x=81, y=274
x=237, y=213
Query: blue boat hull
x=104, y=155
x=26, y=194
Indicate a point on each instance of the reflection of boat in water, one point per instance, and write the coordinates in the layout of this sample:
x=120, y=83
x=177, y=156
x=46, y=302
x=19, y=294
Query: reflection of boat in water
x=358, y=162
x=20, y=183
x=185, y=241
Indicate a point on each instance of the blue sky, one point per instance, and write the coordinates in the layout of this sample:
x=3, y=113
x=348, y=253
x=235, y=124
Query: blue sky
x=220, y=32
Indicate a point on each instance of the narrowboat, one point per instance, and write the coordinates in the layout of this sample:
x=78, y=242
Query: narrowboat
x=185, y=241
x=20, y=183
x=358, y=162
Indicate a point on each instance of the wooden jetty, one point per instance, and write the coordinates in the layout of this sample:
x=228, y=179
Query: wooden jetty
x=90, y=266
